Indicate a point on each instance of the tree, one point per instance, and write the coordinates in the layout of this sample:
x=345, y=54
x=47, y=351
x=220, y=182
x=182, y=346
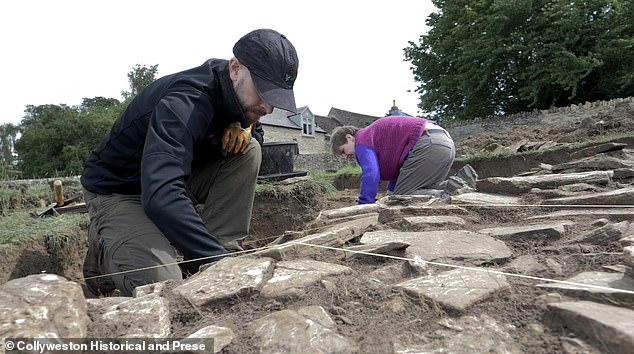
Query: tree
x=8, y=135
x=139, y=78
x=492, y=57
x=56, y=140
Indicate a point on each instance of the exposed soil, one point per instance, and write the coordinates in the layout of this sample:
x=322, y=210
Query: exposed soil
x=378, y=316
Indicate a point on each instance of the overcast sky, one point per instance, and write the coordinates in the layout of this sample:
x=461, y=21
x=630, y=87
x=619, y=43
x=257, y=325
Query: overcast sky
x=350, y=52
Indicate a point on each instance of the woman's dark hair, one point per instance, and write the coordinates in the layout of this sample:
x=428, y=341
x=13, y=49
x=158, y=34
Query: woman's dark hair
x=338, y=137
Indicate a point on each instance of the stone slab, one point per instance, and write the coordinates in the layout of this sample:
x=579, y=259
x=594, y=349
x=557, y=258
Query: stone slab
x=348, y=211
x=519, y=185
x=336, y=235
x=222, y=336
x=623, y=196
x=392, y=248
x=609, y=328
x=466, y=334
x=546, y=231
x=597, y=149
x=224, y=279
x=291, y=277
x=485, y=199
x=421, y=222
x=455, y=246
x=604, y=286
x=456, y=289
x=303, y=331
x=138, y=317
x=612, y=214
x=42, y=306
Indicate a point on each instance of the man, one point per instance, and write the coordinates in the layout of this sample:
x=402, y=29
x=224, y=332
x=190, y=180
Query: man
x=185, y=139
x=413, y=154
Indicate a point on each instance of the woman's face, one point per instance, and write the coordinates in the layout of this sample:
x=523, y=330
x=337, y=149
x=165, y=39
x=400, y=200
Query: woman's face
x=347, y=150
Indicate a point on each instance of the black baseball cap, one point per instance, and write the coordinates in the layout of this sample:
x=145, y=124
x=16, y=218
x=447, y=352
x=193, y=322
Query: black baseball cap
x=272, y=61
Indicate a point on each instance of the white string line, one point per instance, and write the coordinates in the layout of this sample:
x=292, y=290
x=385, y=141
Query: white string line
x=616, y=206
x=486, y=270
x=173, y=263
x=400, y=258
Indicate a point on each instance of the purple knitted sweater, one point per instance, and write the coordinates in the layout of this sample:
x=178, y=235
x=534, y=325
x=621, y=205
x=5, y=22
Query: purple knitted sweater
x=381, y=149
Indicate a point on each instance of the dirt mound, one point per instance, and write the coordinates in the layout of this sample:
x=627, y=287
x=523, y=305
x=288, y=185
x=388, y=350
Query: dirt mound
x=620, y=120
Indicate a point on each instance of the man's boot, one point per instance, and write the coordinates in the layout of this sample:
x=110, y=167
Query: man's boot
x=96, y=284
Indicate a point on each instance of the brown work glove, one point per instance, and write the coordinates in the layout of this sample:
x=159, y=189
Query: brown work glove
x=235, y=139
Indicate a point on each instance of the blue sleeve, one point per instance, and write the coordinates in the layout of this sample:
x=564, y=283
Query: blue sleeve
x=391, y=185
x=165, y=166
x=370, y=173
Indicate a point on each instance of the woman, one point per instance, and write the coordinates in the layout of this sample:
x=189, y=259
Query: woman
x=413, y=154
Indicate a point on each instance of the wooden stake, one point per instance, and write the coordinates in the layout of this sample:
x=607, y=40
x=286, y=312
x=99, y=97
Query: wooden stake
x=59, y=192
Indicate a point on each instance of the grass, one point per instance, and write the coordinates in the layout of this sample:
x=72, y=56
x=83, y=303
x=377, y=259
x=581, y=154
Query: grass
x=352, y=169
x=307, y=188
x=20, y=227
x=8, y=197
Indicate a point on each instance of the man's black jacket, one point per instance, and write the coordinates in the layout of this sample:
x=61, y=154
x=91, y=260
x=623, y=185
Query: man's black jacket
x=152, y=147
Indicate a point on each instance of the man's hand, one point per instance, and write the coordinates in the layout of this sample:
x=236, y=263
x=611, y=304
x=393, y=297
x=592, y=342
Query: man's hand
x=235, y=139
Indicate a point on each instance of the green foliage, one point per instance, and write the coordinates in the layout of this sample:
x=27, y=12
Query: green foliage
x=8, y=136
x=493, y=57
x=139, y=78
x=56, y=140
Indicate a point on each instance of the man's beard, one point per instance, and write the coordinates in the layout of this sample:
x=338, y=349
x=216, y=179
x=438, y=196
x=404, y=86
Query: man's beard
x=253, y=114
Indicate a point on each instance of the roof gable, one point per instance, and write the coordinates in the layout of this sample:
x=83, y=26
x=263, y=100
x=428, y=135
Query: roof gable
x=285, y=119
x=351, y=118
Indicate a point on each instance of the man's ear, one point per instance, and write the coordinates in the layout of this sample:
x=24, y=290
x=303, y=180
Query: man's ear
x=349, y=138
x=234, y=67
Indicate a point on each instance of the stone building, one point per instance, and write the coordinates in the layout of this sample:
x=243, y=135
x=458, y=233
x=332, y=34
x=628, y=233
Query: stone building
x=282, y=126
x=338, y=117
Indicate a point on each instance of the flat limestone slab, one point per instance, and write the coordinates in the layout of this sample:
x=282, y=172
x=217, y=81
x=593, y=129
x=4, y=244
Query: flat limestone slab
x=516, y=185
x=226, y=278
x=613, y=214
x=610, y=328
x=308, y=330
x=623, y=196
x=466, y=334
x=546, y=231
x=290, y=278
x=137, y=317
x=41, y=306
x=485, y=199
x=419, y=222
x=222, y=336
x=458, y=246
x=349, y=211
x=456, y=289
x=610, y=284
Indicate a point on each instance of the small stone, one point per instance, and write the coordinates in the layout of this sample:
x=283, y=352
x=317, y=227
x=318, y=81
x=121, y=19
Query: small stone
x=551, y=298
x=337, y=310
x=536, y=328
x=328, y=285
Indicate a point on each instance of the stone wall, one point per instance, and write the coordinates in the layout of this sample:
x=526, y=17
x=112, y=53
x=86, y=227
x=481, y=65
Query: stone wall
x=319, y=162
x=307, y=144
x=572, y=114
